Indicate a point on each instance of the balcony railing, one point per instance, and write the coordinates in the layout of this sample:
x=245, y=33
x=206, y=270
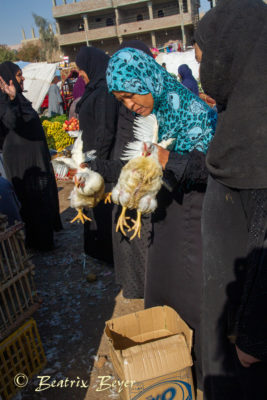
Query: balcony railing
x=90, y=35
x=153, y=24
x=64, y=10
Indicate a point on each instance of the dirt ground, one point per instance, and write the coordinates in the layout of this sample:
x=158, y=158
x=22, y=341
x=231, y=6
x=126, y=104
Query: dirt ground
x=71, y=318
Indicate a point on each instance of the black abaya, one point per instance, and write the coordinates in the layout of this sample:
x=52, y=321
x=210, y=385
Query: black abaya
x=130, y=257
x=27, y=164
x=233, y=39
x=98, y=112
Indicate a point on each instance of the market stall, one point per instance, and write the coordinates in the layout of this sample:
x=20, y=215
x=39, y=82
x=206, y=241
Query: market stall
x=38, y=77
x=60, y=135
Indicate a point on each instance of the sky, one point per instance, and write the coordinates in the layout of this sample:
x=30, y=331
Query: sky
x=17, y=14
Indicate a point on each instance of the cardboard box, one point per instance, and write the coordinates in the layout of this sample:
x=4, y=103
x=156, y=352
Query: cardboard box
x=151, y=353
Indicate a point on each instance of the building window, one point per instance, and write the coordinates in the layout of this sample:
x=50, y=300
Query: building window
x=139, y=17
x=81, y=27
x=185, y=7
x=160, y=14
x=98, y=20
x=109, y=22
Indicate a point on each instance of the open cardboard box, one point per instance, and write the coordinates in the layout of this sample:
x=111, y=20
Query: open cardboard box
x=151, y=353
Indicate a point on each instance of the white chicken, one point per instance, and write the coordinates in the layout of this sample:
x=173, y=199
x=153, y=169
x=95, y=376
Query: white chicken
x=89, y=187
x=141, y=178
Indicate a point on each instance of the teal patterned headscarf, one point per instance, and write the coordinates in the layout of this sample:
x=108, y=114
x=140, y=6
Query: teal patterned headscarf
x=180, y=113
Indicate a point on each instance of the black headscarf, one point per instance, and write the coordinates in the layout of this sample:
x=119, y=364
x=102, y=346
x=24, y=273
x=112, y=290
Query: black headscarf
x=227, y=35
x=94, y=62
x=8, y=72
x=233, y=71
x=136, y=44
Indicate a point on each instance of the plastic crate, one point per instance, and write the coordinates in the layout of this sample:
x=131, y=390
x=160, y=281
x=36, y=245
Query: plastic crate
x=21, y=353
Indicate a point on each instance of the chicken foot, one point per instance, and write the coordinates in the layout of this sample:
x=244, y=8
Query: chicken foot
x=80, y=217
x=122, y=221
x=136, y=226
x=107, y=197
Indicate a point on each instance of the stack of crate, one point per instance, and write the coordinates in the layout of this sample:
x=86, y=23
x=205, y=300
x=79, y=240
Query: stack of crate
x=19, y=348
x=18, y=297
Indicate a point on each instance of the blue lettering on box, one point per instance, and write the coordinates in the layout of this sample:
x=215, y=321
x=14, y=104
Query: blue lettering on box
x=175, y=390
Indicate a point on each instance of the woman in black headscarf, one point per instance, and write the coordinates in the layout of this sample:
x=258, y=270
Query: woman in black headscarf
x=27, y=160
x=233, y=40
x=98, y=114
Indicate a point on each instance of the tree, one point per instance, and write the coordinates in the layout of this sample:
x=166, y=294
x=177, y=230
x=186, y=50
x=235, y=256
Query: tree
x=49, y=42
x=6, y=54
x=30, y=52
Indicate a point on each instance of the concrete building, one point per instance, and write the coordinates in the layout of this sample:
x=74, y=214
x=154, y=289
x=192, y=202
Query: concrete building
x=106, y=23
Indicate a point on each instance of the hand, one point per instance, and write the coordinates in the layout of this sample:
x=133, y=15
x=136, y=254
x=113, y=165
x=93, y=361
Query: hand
x=163, y=156
x=9, y=90
x=71, y=173
x=245, y=359
x=84, y=165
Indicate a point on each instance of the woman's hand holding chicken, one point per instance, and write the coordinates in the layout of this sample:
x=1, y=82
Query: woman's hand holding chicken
x=163, y=156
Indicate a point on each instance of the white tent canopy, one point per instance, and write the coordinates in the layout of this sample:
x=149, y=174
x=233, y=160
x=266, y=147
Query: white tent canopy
x=174, y=60
x=38, y=77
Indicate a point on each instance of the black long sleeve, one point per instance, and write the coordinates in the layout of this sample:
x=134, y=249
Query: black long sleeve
x=179, y=169
x=105, y=111
x=98, y=121
x=185, y=168
x=9, y=112
x=109, y=169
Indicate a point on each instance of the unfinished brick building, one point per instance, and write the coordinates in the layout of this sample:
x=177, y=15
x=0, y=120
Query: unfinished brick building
x=106, y=23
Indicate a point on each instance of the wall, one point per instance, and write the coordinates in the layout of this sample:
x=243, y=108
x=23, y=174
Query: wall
x=130, y=15
x=152, y=25
x=94, y=34
x=144, y=37
x=80, y=7
x=94, y=23
x=70, y=26
x=172, y=34
x=168, y=9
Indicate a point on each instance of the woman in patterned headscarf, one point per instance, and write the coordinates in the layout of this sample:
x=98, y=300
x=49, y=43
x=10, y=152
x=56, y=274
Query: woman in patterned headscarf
x=174, y=268
x=180, y=113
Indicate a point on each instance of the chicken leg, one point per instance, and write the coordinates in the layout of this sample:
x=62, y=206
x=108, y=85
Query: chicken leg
x=107, y=197
x=80, y=217
x=136, y=226
x=122, y=221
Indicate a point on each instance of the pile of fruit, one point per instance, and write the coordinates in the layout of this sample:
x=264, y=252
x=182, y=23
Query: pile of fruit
x=56, y=137
x=71, y=125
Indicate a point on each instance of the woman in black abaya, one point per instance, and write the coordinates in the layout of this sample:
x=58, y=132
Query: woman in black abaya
x=233, y=39
x=27, y=160
x=98, y=111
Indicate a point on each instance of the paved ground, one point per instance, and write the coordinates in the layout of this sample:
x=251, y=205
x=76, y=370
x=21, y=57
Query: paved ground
x=72, y=316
